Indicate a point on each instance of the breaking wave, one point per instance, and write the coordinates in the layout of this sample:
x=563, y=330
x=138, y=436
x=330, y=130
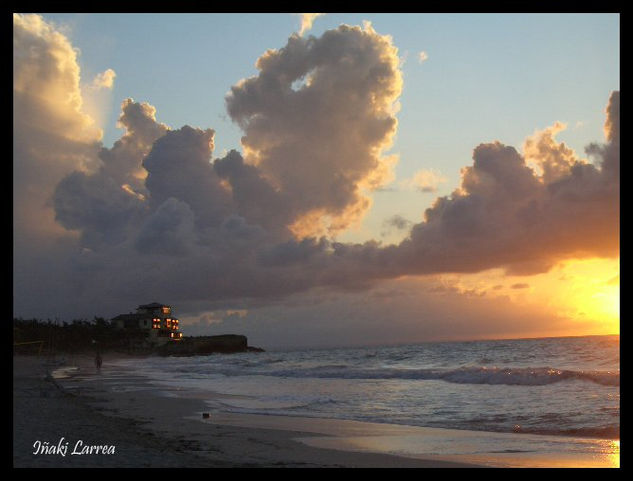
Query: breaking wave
x=538, y=376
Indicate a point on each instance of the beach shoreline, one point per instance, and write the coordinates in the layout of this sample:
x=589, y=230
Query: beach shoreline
x=158, y=425
x=153, y=428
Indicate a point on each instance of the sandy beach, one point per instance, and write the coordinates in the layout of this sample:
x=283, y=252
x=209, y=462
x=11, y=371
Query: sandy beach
x=148, y=428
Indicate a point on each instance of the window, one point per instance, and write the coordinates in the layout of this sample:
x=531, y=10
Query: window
x=166, y=310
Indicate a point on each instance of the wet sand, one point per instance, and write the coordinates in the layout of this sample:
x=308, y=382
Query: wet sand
x=142, y=426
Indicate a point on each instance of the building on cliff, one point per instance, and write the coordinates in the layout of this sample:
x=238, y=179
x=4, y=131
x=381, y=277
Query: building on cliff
x=156, y=319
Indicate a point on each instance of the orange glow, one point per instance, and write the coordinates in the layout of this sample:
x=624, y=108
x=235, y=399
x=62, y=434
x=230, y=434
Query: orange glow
x=613, y=453
x=591, y=293
x=583, y=294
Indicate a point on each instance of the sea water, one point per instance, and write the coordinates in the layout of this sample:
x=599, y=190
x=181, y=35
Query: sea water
x=554, y=386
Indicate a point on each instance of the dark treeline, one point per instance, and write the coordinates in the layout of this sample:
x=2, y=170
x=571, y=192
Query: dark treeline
x=80, y=335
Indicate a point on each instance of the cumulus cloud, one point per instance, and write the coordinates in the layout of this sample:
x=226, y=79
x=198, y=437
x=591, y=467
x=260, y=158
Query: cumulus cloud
x=553, y=159
x=53, y=136
x=169, y=231
x=106, y=205
x=322, y=146
x=179, y=166
x=157, y=217
x=307, y=19
x=505, y=214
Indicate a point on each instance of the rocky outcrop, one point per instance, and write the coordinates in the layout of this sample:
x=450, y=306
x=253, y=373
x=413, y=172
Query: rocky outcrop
x=201, y=345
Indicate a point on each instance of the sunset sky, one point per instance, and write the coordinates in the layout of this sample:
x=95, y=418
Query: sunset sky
x=320, y=179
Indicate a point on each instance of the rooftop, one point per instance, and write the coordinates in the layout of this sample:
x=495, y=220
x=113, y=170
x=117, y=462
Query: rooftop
x=153, y=305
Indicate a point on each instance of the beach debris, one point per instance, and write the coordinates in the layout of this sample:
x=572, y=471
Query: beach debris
x=205, y=415
x=517, y=428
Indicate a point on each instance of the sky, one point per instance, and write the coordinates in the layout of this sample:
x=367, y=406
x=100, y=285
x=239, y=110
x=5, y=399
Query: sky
x=315, y=180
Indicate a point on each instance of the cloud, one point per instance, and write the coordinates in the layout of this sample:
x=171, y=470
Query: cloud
x=104, y=80
x=169, y=231
x=179, y=166
x=107, y=204
x=321, y=146
x=520, y=285
x=505, y=215
x=53, y=136
x=156, y=216
x=395, y=222
x=398, y=222
x=405, y=310
x=424, y=180
x=307, y=19
x=423, y=56
x=553, y=159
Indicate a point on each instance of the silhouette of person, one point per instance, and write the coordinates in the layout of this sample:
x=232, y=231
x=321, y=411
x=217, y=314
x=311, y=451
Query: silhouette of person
x=98, y=360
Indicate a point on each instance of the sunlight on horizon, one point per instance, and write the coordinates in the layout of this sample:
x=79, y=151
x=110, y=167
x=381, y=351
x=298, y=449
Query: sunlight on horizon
x=591, y=293
x=583, y=293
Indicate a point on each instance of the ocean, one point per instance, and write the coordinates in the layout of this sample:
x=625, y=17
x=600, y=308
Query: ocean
x=553, y=386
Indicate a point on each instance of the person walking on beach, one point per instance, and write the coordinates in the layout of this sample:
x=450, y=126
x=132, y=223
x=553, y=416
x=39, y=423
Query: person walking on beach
x=98, y=360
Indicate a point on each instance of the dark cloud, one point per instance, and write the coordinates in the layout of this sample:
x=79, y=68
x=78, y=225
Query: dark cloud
x=254, y=196
x=179, y=166
x=108, y=204
x=395, y=222
x=157, y=217
x=505, y=214
x=169, y=231
x=292, y=252
x=398, y=222
x=96, y=205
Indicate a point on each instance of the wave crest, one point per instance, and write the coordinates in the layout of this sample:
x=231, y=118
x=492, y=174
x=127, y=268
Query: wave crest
x=527, y=376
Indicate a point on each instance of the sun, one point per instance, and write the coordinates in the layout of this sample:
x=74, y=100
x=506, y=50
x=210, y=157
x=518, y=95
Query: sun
x=589, y=291
x=583, y=295
x=604, y=304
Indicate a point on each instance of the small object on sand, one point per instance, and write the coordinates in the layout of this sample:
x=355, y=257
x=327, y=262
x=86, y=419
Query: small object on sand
x=205, y=415
x=517, y=428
